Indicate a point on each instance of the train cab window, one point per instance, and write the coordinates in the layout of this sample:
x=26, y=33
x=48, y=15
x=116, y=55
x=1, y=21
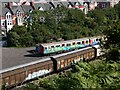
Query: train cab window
x=96, y=39
x=63, y=45
x=78, y=42
x=83, y=42
x=73, y=43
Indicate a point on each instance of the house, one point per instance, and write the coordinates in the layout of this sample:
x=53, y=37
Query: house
x=11, y=15
x=18, y=15
x=79, y=5
x=114, y=2
x=6, y=19
x=103, y=4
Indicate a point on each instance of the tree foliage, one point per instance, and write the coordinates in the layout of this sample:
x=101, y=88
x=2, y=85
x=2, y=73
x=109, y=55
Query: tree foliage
x=112, y=44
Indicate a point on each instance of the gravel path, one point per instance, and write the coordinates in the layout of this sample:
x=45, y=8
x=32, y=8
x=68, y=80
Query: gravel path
x=16, y=56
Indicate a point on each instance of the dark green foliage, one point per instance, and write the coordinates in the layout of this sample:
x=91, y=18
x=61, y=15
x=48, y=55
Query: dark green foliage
x=19, y=37
x=111, y=46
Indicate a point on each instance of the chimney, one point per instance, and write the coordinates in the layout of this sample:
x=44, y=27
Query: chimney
x=32, y=5
x=10, y=4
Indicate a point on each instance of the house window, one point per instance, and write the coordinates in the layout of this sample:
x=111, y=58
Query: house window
x=20, y=14
x=18, y=20
x=10, y=23
x=7, y=16
x=3, y=24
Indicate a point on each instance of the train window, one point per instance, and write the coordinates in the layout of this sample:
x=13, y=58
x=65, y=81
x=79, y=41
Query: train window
x=73, y=43
x=57, y=45
x=86, y=42
x=45, y=47
x=63, y=44
x=96, y=39
x=100, y=39
x=82, y=42
x=78, y=42
x=52, y=46
x=12, y=79
x=68, y=45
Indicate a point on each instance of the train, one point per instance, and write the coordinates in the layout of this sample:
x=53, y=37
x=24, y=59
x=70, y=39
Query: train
x=17, y=75
x=69, y=45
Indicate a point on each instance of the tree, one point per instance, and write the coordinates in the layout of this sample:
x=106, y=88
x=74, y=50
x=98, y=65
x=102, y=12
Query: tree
x=98, y=15
x=112, y=44
x=13, y=39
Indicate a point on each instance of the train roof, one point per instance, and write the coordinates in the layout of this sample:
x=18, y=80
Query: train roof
x=24, y=65
x=64, y=42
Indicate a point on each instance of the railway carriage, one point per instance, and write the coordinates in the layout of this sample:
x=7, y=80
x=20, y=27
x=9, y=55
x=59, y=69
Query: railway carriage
x=19, y=74
x=63, y=61
x=48, y=48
